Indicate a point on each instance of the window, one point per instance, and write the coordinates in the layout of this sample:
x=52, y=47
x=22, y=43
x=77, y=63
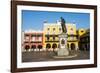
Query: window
x=71, y=29
x=53, y=37
x=26, y=37
x=36, y=38
x=60, y=30
x=48, y=38
x=53, y=29
x=71, y=38
x=48, y=29
x=40, y=38
x=33, y=38
x=82, y=31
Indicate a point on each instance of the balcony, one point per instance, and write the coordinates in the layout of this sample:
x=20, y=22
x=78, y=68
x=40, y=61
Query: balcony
x=72, y=39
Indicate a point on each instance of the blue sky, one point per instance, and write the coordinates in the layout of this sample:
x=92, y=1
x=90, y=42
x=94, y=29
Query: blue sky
x=34, y=19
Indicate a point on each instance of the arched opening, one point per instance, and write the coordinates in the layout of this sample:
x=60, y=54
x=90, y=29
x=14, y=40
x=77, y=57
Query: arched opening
x=54, y=46
x=48, y=46
x=27, y=47
x=33, y=46
x=40, y=47
x=72, y=46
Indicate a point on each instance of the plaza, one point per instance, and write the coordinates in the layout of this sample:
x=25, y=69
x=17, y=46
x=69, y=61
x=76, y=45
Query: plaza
x=49, y=56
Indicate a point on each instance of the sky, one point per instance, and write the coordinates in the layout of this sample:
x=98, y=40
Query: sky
x=35, y=19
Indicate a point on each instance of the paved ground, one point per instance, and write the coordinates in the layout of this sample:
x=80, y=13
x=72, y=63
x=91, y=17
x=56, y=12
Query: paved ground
x=49, y=56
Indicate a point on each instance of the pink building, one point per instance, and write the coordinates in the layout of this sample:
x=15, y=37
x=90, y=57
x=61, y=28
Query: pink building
x=33, y=40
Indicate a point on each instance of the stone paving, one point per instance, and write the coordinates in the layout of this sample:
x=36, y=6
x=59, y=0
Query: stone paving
x=34, y=56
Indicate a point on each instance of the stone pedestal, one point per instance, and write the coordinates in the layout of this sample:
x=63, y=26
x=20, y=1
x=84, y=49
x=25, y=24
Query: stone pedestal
x=63, y=51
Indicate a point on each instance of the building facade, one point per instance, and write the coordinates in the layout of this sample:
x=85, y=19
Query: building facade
x=33, y=40
x=52, y=31
x=84, y=43
x=72, y=40
x=81, y=31
x=48, y=39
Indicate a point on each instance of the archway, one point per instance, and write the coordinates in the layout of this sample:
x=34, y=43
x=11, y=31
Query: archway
x=72, y=46
x=48, y=46
x=27, y=47
x=54, y=46
x=40, y=47
x=33, y=46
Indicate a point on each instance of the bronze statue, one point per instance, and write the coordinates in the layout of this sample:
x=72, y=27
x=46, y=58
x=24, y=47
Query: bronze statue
x=64, y=30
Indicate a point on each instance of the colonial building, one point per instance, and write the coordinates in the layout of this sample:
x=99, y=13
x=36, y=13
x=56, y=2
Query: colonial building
x=52, y=31
x=84, y=43
x=72, y=40
x=33, y=40
x=81, y=31
x=48, y=38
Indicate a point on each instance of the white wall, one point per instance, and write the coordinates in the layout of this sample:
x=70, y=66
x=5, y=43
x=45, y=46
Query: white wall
x=5, y=36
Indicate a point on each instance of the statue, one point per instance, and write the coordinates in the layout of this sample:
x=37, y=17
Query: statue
x=64, y=30
x=63, y=50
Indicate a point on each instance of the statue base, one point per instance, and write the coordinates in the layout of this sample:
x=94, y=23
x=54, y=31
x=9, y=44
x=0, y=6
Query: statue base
x=63, y=50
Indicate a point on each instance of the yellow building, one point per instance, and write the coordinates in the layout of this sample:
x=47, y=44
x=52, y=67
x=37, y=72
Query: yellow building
x=72, y=40
x=81, y=31
x=84, y=39
x=52, y=31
